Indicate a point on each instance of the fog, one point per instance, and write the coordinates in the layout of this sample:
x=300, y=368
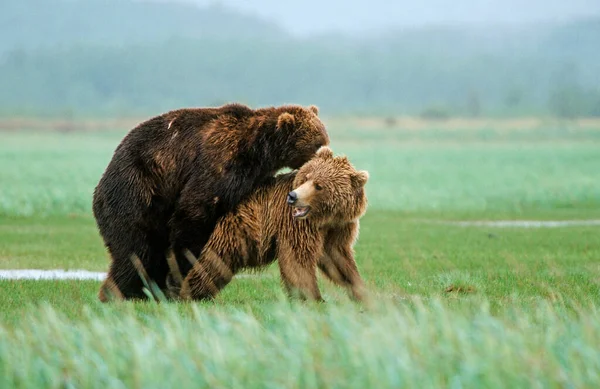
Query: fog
x=433, y=58
x=316, y=16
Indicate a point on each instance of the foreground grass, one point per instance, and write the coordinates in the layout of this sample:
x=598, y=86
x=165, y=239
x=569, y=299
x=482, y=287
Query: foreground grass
x=453, y=306
x=390, y=346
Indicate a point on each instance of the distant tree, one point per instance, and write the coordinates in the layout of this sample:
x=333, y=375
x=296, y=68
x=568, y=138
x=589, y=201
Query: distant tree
x=473, y=103
x=435, y=113
x=513, y=98
x=81, y=56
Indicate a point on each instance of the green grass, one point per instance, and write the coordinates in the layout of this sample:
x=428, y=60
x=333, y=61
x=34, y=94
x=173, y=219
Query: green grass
x=453, y=306
x=54, y=174
x=419, y=346
x=398, y=256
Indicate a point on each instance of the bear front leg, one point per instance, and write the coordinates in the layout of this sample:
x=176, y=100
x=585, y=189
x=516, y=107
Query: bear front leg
x=338, y=263
x=298, y=269
x=341, y=269
x=191, y=225
x=203, y=200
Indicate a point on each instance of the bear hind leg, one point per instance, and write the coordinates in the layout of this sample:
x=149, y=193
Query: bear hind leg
x=207, y=278
x=123, y=280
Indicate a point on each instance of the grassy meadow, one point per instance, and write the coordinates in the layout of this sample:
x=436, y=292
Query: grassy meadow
x=453, y=305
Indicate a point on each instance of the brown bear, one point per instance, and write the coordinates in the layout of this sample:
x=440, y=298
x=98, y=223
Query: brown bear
x=317, y=228
x=173, y=176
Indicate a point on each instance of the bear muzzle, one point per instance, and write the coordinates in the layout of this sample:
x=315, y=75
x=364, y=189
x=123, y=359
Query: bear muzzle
x=292, y=197
x=298, y=211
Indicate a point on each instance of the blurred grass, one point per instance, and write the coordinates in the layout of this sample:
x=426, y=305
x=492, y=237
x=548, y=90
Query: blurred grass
x=415, y=345
x=454, y=306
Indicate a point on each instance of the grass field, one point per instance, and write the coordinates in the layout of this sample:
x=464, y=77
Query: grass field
x=454, y=306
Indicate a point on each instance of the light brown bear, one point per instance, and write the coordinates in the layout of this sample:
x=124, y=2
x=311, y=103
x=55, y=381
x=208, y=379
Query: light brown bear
x=306, y=219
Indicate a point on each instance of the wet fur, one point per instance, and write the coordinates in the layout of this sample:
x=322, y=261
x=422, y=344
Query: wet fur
x=262, y=230
x=174, y=175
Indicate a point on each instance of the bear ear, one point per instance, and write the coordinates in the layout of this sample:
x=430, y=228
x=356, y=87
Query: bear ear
x=324, y=152
x=360, y=178
x=314, y=109
x=285, y=120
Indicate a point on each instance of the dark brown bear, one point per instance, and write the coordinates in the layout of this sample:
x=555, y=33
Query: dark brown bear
x=317, y=228
x=174, y=175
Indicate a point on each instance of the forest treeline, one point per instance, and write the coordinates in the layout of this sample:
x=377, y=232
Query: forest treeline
x=117, y=57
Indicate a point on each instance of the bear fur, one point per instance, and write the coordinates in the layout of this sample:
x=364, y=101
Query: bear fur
x=307, y=219
x=174, y=175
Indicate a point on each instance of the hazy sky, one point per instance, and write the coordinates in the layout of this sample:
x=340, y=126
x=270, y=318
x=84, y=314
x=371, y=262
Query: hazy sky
x=309, y=16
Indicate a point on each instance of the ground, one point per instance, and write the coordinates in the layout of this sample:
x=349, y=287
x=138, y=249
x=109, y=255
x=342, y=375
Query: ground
x=471, y=306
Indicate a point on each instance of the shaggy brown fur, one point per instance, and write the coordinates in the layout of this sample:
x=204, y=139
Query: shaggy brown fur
x=174, y=175
x=319, y=230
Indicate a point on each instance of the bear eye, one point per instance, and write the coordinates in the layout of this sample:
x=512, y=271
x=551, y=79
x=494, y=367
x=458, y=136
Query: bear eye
x=318, y=187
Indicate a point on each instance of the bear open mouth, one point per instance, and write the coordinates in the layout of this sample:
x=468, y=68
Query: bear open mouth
x=300, y=212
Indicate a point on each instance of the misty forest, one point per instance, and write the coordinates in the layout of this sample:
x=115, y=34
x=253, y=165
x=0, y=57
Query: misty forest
x=121, y=58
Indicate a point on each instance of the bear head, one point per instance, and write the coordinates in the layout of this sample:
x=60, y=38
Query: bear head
x=303, y=132
x=328, y=190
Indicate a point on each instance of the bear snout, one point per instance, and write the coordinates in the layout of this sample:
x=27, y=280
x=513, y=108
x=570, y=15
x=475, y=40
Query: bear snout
x=292, y=197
